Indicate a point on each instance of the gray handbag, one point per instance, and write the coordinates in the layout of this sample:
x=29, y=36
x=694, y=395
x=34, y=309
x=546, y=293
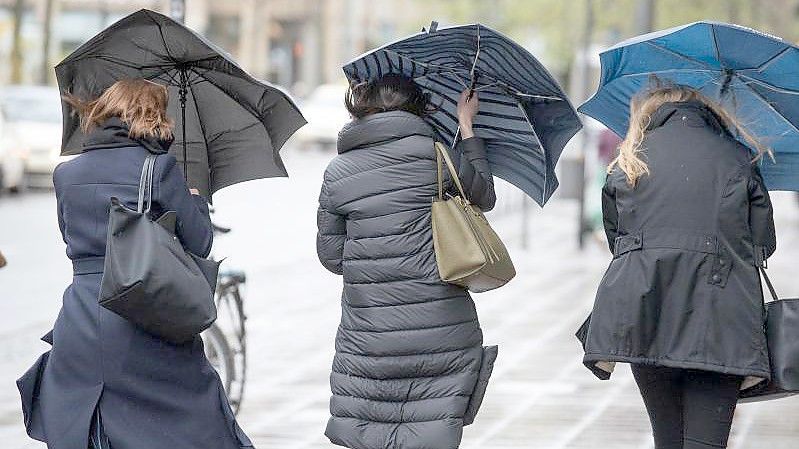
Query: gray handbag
x=149, y=278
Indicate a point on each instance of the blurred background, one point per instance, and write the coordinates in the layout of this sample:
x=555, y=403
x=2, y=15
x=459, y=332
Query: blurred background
x=540, y=395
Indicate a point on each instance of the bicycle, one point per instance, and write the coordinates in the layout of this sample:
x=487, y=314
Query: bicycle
x=225, y=341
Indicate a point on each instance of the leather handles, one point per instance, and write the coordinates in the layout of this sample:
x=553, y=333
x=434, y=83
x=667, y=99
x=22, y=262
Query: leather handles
x=441, y=152
x=145, y=201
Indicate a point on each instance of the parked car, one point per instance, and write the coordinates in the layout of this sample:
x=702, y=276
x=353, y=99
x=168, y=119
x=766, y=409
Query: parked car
x=33, y=129
x=324, y=109
x=12, y=162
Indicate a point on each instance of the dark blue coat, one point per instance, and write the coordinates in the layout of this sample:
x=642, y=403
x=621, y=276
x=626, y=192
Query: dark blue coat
x=150, y=394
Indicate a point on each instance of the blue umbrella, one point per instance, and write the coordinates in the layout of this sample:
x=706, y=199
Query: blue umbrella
x=755, y=76
x=525, y=118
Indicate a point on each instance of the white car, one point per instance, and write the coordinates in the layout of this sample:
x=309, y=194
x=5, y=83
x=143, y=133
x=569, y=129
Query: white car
x=324, y=109
x=12, y=163
x=33, y=129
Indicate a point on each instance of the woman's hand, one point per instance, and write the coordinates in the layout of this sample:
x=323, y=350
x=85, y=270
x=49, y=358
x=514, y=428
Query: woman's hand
x=467, y=109
x=194, y=191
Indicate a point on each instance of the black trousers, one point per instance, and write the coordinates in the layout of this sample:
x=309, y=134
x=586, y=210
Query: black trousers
x=689, y=409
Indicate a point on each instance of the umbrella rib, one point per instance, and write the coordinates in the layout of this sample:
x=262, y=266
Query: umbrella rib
x=770, y=106
x=679, y=55
x=163, y=39
x=256, y=116
x=770, y=60
x=443, y=68
x=716, y=46
x=655, y=72
x=769, y=85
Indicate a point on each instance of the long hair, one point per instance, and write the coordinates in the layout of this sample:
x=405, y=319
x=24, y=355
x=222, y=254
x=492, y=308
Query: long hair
x=643, y=105
x=391, y=92
x=139, y=103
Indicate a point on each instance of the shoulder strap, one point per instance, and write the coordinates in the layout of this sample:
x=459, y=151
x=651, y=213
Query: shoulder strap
x=769, y=284
x=442, y=153
x=146, y=185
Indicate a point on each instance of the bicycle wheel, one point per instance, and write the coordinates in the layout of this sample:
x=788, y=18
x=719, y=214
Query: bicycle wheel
x=218, y=352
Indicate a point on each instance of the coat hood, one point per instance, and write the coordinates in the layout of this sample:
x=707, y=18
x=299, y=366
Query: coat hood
x=380, y=128
x=114, y=133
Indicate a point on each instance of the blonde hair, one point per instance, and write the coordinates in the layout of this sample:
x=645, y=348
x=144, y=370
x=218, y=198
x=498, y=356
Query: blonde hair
x=645, y=104
x=139, y=103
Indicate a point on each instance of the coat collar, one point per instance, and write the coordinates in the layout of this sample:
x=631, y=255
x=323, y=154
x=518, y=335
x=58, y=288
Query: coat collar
x=380, y=128
x=114, y=133
x=692, y=113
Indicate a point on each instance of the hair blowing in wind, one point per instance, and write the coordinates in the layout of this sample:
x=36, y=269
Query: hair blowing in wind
x=630, y=159
x=141, y=104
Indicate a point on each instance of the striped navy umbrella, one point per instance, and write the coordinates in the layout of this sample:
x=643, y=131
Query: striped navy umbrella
x=525, y=118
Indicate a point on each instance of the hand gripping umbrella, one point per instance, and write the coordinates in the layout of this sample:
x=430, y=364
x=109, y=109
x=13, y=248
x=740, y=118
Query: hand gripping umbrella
x=755, y=76
x=229, y=126
x=525, y=118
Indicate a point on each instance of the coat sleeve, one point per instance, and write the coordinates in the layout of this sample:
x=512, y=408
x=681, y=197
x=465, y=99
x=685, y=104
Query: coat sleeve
x=610, y=215
x=470, y=160
x=332, y=232
x=761, y=215
x=193, y=221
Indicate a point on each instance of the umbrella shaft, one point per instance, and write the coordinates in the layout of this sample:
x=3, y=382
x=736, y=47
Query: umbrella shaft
x=183, y=91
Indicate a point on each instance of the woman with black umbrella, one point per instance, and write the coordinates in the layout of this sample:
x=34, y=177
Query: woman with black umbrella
x=105, y=382
x=689, y=221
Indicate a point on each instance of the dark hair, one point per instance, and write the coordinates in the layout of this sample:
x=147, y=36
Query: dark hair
x=391, y=92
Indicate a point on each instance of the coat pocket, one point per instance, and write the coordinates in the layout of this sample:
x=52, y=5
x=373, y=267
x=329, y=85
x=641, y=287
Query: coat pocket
x=28, y=386
x=486, y=367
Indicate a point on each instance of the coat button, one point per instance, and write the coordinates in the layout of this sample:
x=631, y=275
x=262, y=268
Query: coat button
x=716, y=278
x=637, y=240
x=722, y=262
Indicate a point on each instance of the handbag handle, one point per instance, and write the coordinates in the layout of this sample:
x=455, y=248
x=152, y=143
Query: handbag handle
x=145, y=200
x=769, y=284
x=442, y=152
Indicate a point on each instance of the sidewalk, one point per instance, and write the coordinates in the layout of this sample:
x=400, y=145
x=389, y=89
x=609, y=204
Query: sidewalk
x=540, y=395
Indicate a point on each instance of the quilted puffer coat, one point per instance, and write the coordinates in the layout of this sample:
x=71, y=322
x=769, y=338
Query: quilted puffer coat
x=410, y=369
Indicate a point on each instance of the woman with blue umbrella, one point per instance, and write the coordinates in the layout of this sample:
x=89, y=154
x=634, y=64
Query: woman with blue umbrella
x=689, y=222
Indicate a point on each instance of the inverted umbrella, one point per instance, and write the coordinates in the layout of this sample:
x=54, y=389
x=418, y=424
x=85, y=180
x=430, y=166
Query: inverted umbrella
x=755, y=76
x=525, y=118
x=229, y=126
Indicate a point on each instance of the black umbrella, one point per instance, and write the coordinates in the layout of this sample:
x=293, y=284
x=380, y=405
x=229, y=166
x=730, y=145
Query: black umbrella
x=229, y=126
x=525, y=118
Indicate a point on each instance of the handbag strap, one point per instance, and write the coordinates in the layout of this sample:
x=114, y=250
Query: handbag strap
x=769, y=284
x=442, y=153
x=145, y=200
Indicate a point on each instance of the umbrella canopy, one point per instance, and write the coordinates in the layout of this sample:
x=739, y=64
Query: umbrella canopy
x=525, y=118
x=755, y=76
x=229, y=126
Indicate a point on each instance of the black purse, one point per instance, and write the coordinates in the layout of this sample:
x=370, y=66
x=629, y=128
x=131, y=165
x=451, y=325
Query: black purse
x=149, y=278
x=782, y=335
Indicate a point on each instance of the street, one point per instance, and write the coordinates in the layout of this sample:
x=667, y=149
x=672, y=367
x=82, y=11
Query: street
x=540, y=394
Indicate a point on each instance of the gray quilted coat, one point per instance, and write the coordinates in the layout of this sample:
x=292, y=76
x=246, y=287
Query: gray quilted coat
x=410, y=369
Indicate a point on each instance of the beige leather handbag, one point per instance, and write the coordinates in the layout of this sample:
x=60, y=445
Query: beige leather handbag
x=468, y=252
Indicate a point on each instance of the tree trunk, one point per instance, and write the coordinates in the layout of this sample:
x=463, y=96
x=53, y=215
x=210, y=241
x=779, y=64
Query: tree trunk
x=47, y=29
x=16, y=43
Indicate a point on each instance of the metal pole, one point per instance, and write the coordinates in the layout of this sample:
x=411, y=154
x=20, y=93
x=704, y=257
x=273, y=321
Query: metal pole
x=645, y=16
x=586, y=75
x=177, y=10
